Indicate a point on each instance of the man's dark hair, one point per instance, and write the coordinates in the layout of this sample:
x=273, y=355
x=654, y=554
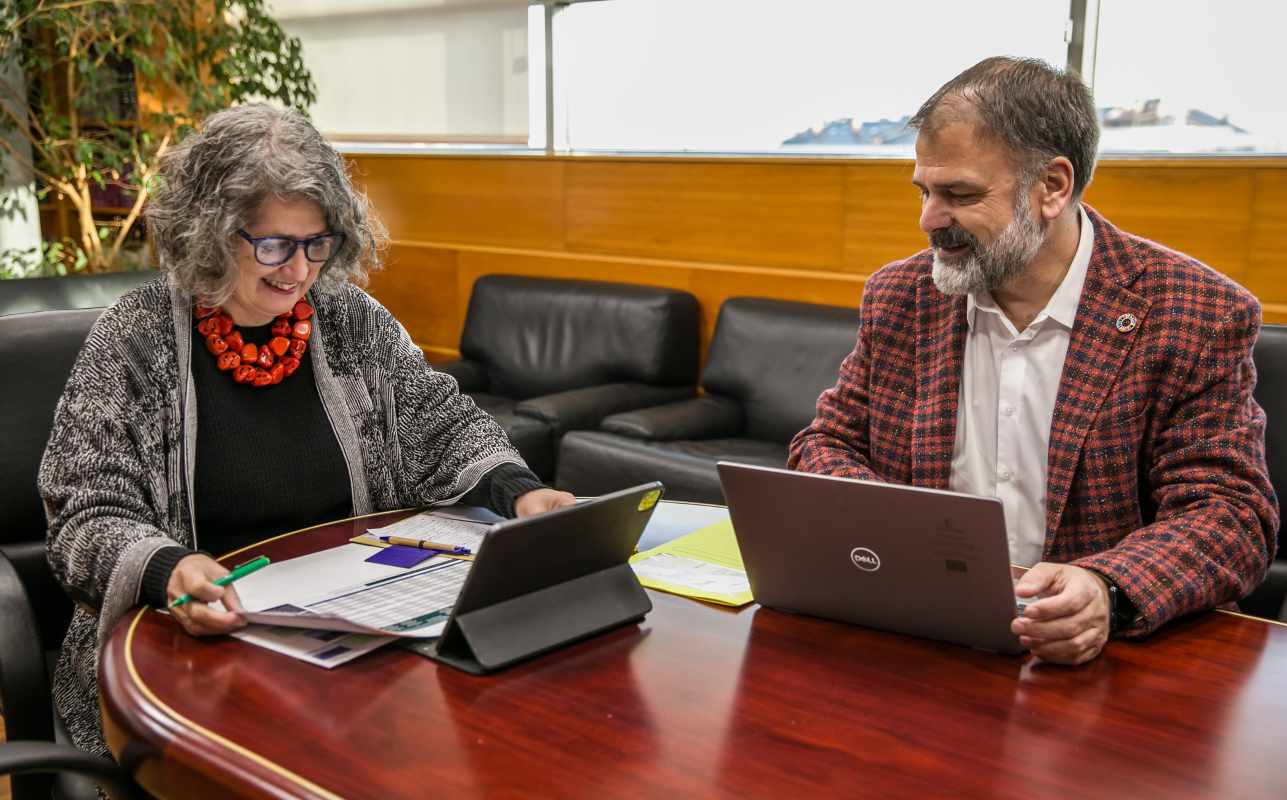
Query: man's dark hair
x=1038, y=111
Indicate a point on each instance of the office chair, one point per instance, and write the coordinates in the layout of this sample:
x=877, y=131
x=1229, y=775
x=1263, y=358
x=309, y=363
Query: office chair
x=36, y=354
x=31, y=756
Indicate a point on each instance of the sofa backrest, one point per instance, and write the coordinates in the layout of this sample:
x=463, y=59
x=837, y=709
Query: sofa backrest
x=538, y=336
x=21, y=295
x=1270, y=355
x=776, y=357
x=37, y=351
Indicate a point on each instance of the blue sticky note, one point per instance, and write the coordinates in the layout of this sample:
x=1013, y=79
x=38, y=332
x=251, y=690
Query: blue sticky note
x=398, y=556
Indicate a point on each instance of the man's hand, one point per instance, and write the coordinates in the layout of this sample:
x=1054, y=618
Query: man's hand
x=1070, y=624
x=195, y=575
x=538, y=501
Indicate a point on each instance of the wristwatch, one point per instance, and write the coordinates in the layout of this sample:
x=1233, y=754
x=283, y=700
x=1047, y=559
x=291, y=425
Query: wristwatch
x=1121, y=612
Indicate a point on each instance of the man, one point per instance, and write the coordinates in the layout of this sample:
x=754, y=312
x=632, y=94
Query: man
x=1097, y=383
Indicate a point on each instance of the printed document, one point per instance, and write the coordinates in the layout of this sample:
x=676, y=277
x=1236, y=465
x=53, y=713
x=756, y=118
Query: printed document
x=329, y=607
x=461, y=526
x=321, y=648
x=705, y=565
x=414, y=604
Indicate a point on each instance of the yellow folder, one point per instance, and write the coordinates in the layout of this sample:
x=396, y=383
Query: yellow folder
x=705, y=565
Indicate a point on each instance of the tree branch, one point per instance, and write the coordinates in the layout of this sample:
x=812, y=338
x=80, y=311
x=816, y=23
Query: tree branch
x=17, y=23
x=139, y=197
x=44, y=176
x=22, y=126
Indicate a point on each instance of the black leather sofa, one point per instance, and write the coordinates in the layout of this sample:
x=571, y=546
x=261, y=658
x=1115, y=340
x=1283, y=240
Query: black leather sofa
x=20, y=295
x=768, y=362
x=545, y=356
x=1270, y=355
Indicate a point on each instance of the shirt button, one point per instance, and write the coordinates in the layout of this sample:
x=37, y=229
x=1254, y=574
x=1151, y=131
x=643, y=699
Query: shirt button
x=1004, y=474
x=1007, y=410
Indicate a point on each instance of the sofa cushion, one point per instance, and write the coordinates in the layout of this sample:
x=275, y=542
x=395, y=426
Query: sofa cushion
x=538, y=336
x=596, y=462
x=776, y=357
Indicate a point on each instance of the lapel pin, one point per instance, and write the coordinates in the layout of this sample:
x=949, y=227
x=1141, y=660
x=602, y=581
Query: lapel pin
x=1127, y=323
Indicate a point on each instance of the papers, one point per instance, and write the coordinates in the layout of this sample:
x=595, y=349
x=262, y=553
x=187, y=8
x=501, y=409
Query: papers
x=459, y=527
x=329, y=607
x=415, y=604
x=705, y=565
x=694, y=574
x=321, y=648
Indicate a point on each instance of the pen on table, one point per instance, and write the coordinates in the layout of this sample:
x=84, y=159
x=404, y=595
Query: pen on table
x=240, y=571
x=450, y=549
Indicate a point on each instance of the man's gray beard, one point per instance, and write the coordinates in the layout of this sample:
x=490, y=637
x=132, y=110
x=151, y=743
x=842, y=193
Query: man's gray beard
x=994, y=265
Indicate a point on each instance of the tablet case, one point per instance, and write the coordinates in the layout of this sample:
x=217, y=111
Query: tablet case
x=543, y=582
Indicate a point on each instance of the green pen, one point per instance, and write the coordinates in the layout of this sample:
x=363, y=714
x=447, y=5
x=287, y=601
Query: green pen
x=239, y=571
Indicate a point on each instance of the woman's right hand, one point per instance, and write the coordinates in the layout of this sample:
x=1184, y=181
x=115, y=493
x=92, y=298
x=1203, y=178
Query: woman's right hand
x=195, y=575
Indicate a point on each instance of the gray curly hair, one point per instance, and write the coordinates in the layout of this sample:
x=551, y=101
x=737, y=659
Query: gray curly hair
x=213, y=182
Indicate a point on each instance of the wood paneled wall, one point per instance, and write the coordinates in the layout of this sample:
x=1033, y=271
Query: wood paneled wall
x=810, y=230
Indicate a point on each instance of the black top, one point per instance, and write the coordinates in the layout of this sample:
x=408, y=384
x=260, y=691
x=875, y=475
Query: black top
x=267, y=461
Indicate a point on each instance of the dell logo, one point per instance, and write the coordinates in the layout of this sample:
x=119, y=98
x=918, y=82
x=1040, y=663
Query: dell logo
x=865, y=559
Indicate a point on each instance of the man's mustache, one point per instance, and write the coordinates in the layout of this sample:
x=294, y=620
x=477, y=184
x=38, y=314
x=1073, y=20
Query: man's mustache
x=953, y=236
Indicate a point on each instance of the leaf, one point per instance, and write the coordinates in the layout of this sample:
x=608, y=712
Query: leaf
x=199, y=55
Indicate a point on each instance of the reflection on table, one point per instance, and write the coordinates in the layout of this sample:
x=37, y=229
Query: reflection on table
x=704, y=701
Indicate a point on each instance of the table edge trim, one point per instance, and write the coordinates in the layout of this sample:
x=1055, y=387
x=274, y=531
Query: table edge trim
x=262, y=542
x=1266, y=620
x=241, y=750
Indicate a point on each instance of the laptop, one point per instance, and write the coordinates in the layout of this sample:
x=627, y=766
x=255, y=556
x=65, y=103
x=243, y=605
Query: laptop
x=918, y=561
x=545, y=581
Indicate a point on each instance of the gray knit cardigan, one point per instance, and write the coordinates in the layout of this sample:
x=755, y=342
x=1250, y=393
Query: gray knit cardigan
x=117, y=475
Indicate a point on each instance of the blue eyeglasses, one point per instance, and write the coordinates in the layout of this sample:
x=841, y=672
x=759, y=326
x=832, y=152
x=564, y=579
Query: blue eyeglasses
x=273, y=251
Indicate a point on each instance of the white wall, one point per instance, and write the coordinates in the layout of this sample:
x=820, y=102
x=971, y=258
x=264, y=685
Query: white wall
x=414, y=69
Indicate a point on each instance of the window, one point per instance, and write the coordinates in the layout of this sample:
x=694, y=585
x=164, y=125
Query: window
x=1198, y=77
x=453, y=71
x=798, y=77
x=804, y=76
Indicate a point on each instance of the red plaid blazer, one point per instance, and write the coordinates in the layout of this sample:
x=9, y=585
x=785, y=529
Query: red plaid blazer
x=1157, y=475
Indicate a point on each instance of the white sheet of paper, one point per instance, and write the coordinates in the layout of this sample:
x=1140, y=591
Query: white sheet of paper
x=693, y=573
x=323, y=648
x=415, y=604
x=316, y=574
x=437, y=527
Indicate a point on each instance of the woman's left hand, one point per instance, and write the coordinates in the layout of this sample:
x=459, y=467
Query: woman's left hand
x=538, y=501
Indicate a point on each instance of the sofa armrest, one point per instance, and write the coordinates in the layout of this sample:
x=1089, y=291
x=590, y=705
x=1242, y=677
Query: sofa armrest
x=707, y=417
x=470, y=374
x=584, y=409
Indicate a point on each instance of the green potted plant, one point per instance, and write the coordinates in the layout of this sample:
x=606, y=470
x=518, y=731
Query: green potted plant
x=109, y=86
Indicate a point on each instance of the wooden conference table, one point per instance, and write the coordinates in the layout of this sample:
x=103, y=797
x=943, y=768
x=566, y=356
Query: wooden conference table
x=700, y=701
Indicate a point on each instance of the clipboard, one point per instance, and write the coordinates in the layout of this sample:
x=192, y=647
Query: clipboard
x=543, y=582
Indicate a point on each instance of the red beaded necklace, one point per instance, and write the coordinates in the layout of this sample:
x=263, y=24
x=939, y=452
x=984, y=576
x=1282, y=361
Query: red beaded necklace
x=259, y=365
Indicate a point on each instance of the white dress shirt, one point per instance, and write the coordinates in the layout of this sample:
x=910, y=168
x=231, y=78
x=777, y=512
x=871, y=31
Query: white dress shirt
x=1009, y=382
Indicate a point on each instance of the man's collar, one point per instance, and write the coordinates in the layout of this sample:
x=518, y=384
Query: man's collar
x=1062, y=306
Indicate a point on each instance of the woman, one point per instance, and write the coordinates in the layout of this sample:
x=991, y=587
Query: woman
x=250, y=390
